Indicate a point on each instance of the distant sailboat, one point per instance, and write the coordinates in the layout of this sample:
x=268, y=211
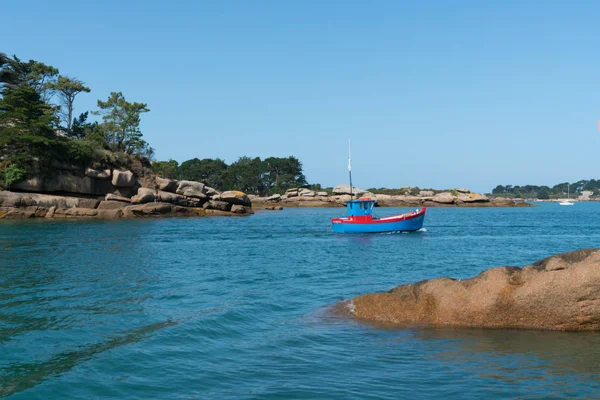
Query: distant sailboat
x=568, y=202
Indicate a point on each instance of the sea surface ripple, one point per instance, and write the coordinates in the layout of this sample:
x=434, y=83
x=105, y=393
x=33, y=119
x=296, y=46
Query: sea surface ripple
x=240, y=308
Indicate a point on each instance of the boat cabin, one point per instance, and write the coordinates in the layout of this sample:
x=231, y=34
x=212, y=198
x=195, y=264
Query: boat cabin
x=361, y=210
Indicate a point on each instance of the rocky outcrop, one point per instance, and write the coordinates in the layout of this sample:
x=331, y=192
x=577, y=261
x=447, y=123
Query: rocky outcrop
x=425, y=198
x=557, y=293
x=15, y=205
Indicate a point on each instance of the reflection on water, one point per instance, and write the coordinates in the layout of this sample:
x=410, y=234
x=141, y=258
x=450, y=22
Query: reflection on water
x=566, y=352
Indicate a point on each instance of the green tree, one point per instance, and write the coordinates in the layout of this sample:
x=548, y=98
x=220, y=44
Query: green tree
x=247, y=174
x=498, y=190
x=282, y=174
x=166, y=169
x=543, y=193
x=67, y=89
x=27, y=126
x=122, y=124
x=81, y=129
x=212, y=172
x=37, y=75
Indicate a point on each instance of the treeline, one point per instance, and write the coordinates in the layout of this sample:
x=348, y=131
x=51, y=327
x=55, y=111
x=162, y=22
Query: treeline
x=38, y=128
x=546, y=192
x=250, y=175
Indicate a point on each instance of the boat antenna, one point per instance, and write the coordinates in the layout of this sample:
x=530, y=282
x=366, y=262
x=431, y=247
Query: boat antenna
x=350, y=171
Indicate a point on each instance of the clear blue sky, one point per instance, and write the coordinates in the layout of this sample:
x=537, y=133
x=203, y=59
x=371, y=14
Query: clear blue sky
x=431, y=93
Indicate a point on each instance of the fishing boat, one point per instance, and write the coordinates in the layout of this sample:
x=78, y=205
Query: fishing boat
x=360, y=219
x=360, y=216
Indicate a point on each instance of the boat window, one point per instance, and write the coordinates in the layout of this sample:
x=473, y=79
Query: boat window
x=361, y=206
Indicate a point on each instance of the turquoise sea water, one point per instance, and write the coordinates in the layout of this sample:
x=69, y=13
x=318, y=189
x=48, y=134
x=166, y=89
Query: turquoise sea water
x=239, y=308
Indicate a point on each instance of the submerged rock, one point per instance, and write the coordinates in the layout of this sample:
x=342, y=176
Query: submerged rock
x=561, y=292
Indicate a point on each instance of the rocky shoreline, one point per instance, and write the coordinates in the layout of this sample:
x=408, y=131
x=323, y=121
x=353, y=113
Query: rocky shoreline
x=341, y=195
x=114, y=194
x=556, y=293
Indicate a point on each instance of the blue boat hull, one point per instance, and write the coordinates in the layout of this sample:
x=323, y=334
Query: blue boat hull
x=413, y=224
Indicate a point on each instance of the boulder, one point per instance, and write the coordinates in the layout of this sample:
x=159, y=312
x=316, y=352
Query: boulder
x=191, y=189
x=146, y=210
x=50, y=213
x=69, y=183
x=236, y=197
x=307, y=193
x=557, y=293
x=12, y=199
x=165, y=184
x=123, y=178
x=274, y=198
x=322, y=194
x=426, y=193
x=97, y=174
x=87, y=203
x=217, y=205
x=210, y=192
x=114, y=197
x=75, y=212
x=112, y=205
x=472, y=198
x=238, y=209
x=110, y=214
x=345, y=189
x=21, y=213
x=444, y=198
x=463, y=190
x=146, y=195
